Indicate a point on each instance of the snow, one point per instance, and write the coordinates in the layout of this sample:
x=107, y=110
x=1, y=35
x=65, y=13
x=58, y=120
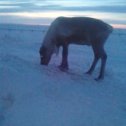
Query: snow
x=36, y=95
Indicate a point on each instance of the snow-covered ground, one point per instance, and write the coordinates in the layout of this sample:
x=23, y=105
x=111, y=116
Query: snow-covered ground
x=35, y=95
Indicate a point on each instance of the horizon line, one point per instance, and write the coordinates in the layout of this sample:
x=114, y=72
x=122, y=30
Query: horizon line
x=116, y=26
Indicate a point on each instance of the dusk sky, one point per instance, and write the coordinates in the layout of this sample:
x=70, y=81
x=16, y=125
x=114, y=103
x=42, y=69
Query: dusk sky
x=44, y=11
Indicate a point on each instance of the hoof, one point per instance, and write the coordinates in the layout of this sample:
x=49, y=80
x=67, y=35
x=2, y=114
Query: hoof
x=88, y=72
x=63, y=68
x=99, y=78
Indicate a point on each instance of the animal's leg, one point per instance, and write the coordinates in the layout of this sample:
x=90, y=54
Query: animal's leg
x=101, y=52
x=93, y=65
x=103, y=64
x=96, y=57
x=64, y=63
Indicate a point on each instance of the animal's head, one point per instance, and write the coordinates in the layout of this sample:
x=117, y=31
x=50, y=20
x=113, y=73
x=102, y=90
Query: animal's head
x=45, y=55
x=49, y=44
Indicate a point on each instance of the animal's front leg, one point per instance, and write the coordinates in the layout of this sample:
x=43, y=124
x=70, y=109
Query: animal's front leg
x=64, y=63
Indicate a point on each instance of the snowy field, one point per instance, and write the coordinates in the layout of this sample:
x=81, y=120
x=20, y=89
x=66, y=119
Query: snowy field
x=36, y=95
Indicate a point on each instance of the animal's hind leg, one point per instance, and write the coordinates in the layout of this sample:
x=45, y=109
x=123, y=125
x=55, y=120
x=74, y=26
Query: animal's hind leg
x=103, y=64
x=96, y=58
x=95, y=48
x=101, y=52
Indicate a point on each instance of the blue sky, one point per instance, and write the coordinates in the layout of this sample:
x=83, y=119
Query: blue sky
x=44, y=11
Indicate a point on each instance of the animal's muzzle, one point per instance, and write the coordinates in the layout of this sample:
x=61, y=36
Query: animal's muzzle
x=44, y=61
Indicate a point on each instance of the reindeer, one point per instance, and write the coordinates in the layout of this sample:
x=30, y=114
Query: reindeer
x=76, y=30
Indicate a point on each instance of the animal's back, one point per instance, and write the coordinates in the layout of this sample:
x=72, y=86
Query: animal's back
x=81, y=29
x=84, y=24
